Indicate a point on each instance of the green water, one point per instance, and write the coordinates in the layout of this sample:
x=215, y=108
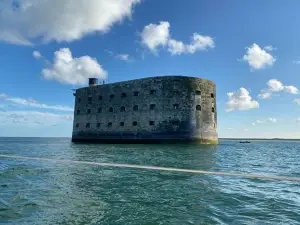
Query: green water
x=38, y=192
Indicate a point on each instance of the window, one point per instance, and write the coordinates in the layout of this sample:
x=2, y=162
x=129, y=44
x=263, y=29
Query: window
x=79, y=99
x=77, y=125
x=99, y=110
x=213, y=109
x=90, y=98
x=100, y=97
x=123, y=95
x=198, y=107
x=122, y=109
x=88, y=125
x=111, y=109
x=89, y=111
x=152, y=106
x=198, y=92
x=98, y=125
x=175, y=122
x=175, y=106
x=134, y=123
x=111, y=96
x=122, y=124
x=212, y=95
x=78, y=111
x=109, y=124
x=176, y=92
x=151, y=123
x=135, y=108
x=152, y=92
x=136, y=93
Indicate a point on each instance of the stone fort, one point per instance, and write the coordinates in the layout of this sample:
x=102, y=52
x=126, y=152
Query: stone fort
x=148, y=110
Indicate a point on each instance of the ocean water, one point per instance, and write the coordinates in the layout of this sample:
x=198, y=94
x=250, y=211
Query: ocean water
x=39, y=192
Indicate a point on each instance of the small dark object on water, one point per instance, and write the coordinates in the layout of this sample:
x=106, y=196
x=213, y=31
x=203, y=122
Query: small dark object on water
x=244, y=142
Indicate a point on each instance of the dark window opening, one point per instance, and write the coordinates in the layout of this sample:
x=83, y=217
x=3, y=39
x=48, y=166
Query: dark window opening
x=77, y=125
x=109, y=124
x=79, y=99
x=88, y=125
x=152, y=106
x=111, y=96
x=98, y=125
x=136, y=93
x=198, y=92
x=100, y=97
x=212, y=95
x=111, y=109
x=134, y=123
x=175, y=122
x=152, y=92
x=122, y=124
x=151, y=123
x=175, y=106
x=135, y=108
x=176, y=92
x=214, y=125
x=122, y=109
x=78, y=111
x=123, y=95
x=90, y=98
x=213, y=109
x=89, y=111
x=198, y=107
x=99, y=110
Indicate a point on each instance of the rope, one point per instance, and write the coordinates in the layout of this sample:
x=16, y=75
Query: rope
x=218, y=173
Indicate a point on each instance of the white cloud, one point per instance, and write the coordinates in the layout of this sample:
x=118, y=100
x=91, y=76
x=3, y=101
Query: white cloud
x=37, y=54
x=124, y=57
x=272, y=120
x=158, y=35
x=297, y=101
x=253, y=124
x=34, y=103
x=298, y=120
x=270, y=48
x=33, y=117
x=28, y=21
x=240, y=100
x=275, y=86
x=258, y=58
x=154, y=36
x=69, y=70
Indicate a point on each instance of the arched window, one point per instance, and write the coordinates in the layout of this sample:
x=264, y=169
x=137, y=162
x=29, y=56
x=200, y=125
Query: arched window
x=136, y=93
x=151, y=123
x=90, y=99
x=122, y=124
x=100, y=97
x=123, y=95
x=152, y=106
x=78, y=111
x=135, y=108
x=99, y=110
x=213, y=109
x=89, y=111
x=77, y=125
x=212, y=95
x=122, y=109
x=198, y=107
x=111, y=109
x=111, y=96
x=152, y=92
x=134, y=123
x=87, y=125
x=109, y=124
x=98, y=125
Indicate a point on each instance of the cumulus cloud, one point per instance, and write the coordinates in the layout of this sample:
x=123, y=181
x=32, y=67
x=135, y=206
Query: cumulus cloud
x=33, y=103
x=27, y=21
x=68, y=70
x=158, y=35
x=33, y=117
x=240, y=100
x=37, y=54
x=275, y=86
x=259, y=58
x=272, y=120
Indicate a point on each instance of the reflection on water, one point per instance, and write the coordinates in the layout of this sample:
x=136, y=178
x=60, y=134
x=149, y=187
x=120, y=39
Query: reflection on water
x=34, y=192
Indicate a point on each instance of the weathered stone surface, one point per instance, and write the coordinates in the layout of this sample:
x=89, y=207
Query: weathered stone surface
x=170, y=102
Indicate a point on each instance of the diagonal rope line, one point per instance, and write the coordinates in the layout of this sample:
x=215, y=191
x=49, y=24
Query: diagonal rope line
x=233, y=174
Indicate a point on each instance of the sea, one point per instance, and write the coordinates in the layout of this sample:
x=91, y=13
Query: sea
x=51, y=192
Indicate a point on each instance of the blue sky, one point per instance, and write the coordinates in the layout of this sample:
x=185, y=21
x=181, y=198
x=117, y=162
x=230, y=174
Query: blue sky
x=250, y=49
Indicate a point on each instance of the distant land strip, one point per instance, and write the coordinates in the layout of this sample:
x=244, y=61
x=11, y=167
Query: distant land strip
x=218, y=173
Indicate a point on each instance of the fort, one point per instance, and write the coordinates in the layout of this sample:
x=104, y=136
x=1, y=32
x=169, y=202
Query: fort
x=149, y=110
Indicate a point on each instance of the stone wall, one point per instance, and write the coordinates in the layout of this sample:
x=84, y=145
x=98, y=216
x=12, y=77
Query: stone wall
x=174, y=108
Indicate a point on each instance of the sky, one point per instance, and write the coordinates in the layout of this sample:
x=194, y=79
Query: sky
x=250, y=49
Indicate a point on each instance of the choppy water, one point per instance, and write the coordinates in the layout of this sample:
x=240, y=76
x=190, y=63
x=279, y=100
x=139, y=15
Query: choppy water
x=33, y=192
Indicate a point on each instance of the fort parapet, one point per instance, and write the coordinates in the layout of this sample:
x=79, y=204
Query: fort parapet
x=149, y=110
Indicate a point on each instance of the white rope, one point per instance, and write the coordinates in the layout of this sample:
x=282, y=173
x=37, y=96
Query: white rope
x=233, y=174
